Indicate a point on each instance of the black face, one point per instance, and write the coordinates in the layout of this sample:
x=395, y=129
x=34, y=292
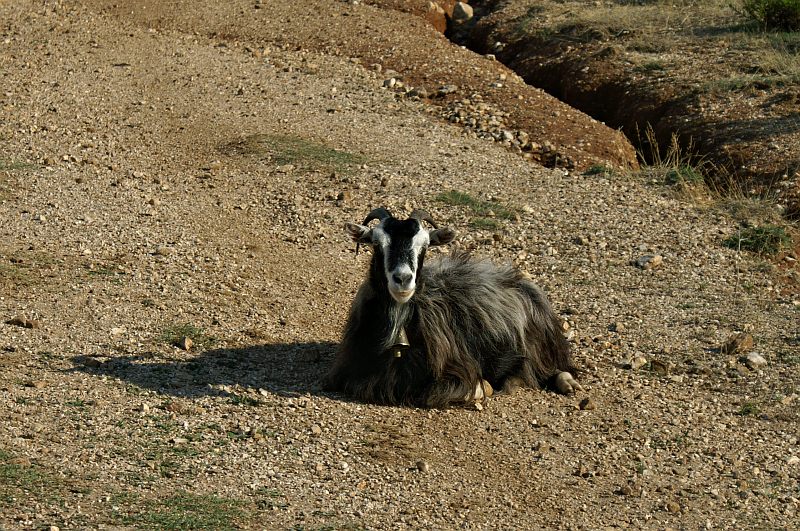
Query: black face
x=402, y=250
x=401, y=243
x=400, y=247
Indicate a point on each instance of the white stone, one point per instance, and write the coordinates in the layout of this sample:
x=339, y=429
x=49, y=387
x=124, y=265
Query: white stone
x=462, y=12
x=755, y=361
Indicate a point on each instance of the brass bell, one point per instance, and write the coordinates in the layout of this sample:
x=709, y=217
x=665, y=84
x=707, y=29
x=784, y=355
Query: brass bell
x=401, y=344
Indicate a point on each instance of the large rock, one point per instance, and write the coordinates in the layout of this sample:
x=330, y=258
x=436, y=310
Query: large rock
x=462, y=12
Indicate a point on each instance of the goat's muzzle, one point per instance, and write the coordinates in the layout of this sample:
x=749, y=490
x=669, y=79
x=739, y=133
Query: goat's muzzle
x=401, y=296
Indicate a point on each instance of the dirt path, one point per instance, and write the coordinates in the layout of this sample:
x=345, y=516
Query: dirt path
x=156, y=184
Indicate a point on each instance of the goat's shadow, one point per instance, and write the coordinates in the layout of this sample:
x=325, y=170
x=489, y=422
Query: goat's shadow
x=281, y=368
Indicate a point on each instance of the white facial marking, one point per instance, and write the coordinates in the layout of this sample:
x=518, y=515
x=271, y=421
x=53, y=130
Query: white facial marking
x=403, y=291
x=380, y=237
x=420, y=241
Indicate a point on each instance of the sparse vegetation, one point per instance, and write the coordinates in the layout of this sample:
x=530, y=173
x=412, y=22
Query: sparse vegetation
x=781, y=15
x=684, y=174
x=285, y=149
x=765, y=240
x=16, y=477
x=245, y=400
x=185, y=511
x=748, y=409
x=14, y=275
x=9, y=166
x=651, y=66
x=526, y=22
x=599, y=169
x=480, y=207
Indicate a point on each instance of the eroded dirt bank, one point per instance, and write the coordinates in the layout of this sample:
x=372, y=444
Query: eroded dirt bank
x=691, y=72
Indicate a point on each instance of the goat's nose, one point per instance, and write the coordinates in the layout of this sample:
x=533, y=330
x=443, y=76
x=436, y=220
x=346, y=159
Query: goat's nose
x=402, y=278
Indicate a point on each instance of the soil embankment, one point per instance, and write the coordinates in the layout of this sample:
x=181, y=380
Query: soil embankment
x=728, y=99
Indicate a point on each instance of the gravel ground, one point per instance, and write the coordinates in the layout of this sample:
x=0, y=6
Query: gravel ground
x=158, y=185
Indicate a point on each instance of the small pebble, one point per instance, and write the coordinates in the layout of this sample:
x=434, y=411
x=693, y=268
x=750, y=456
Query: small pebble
x=755, y=361
x=423, y=466
x=737, y=343
x=184, y=343
x=649, y=261
x=673, y=507
x=659, y=367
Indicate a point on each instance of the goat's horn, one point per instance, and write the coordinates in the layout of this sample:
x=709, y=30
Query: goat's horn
x=378, y=213
x=423, y=215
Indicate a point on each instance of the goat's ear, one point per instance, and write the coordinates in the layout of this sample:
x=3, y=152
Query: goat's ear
x=442, y=236
x=358, y=233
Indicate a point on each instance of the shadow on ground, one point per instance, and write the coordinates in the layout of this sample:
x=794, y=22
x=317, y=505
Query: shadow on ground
x=283, y=368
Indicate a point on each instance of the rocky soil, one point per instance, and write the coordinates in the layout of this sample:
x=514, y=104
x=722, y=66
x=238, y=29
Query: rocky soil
x=174, y=278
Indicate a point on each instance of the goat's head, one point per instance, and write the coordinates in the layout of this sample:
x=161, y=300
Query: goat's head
x=401, y=244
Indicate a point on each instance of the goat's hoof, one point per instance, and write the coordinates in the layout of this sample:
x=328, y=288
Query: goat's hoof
x=487, y=389
x=483, y=390
x=566, y=384
x=513, y=384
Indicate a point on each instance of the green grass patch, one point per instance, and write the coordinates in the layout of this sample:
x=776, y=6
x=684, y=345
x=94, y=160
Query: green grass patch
x=683, y=174
x=526, y=23
x=789, y=358
x=174, y=334
x=111, y=273
x=14, y=275
x=21, y=481
x=765, y=240
x=9, y=166
x=781, y=15
x=651, y=66
x=338, y=526
x=270, y=499
x=185, y=511
x=303, y=152
x=244, y=400
x=745, y=82
x=599, y=169
x=748, y=409
x=486, y=209
x=17, y=475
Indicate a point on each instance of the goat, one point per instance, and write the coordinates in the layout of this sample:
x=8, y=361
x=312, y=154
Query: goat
x=436, y=334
